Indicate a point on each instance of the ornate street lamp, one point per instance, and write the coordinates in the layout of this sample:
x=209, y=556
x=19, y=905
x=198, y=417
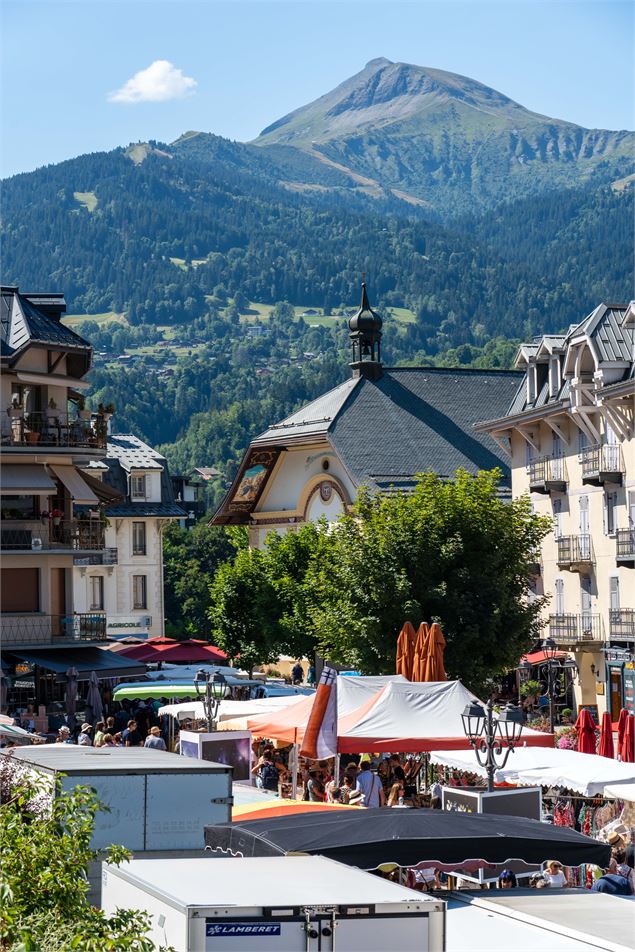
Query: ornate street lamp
x=210, y=689
x=488, y=735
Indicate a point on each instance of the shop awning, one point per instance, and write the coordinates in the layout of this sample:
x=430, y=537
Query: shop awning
x=539, y=657
x=52, y=380
x=106, y=664
x=105, y=493
x=76, y=486
x=29, y=480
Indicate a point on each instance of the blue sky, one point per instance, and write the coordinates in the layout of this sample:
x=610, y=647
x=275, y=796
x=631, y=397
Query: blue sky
x=236, y=66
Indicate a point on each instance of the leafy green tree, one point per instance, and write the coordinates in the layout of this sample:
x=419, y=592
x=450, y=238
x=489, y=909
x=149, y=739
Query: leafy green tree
x=244, y=610
x=45, y=840
x=451, y=551
x=190, y=558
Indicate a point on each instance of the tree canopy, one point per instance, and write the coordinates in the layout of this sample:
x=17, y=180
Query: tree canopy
x=452, y=551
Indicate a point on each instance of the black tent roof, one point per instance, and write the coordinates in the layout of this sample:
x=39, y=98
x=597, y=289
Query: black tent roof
x=368, y=838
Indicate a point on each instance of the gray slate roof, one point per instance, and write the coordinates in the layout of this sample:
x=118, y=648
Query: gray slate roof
x=314, y=419
x=125, y=452
x=421, y=419
x=612, y=340
x=23, y=323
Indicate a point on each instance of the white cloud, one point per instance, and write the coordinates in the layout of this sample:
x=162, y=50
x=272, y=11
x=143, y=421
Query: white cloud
x=158, y=83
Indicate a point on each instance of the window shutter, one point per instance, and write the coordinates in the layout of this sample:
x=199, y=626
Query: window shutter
x=614, y=593
x=605, y=515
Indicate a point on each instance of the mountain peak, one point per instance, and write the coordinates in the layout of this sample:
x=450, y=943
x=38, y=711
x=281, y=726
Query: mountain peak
x=379, y=61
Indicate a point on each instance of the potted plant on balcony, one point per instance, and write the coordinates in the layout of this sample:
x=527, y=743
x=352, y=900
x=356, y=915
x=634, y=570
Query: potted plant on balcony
x=106, y=410
x=82, y=412
x=56, y=516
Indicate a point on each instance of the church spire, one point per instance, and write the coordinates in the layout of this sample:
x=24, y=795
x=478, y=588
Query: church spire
x=365, y=335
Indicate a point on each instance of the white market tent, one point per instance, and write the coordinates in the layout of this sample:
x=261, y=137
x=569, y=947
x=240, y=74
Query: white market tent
x=231, y=709
x=621, y=791
x=588, y=774
x=413, y=717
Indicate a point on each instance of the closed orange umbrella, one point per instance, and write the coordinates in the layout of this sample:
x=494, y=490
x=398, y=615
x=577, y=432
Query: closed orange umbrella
x=420, y=652
x=434, y=668
x=406, y=650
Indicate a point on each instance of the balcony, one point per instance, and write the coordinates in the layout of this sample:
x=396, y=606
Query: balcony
x=575, y=553
x=35, y=535
x=602, y=464
x=625, y=541
x=572, y=630
x=622, y=624
x=52, y=429
x=109, y=556
x=52, y=629
x=547, y=474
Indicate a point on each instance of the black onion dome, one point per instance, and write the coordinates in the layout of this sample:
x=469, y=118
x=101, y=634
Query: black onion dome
x=366, y=320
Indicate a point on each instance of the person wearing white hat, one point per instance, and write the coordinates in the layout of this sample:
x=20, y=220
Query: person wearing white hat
x=64, y=735
x=84, y=739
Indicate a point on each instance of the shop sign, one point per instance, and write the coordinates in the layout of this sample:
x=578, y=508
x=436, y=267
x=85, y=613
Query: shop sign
x=23, y=667
x=618, y=654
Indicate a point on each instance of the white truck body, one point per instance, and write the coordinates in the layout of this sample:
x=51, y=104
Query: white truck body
x=274, y=904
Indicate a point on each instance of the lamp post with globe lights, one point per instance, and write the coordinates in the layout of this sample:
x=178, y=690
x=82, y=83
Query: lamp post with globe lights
x=493, y=738
x=555, y=671
x=210, y=689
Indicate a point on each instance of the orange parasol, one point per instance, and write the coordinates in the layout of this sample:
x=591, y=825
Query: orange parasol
x=405, y=651
x=434, y=669
x=421, y=648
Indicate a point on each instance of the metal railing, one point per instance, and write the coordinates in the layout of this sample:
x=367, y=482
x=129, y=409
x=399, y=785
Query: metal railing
x=38, y=628
x=109, y=556
x=575, y=550
x=601, y=458
x=575, y=629
x=622, y=623
x=625, y=539
x=547, y=470
x=53, y=428
x=36, y=535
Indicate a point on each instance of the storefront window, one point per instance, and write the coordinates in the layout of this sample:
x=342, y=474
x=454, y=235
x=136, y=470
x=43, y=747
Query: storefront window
x=20, y=507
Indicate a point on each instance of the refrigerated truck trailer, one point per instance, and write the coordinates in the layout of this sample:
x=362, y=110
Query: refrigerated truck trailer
x=274, y=904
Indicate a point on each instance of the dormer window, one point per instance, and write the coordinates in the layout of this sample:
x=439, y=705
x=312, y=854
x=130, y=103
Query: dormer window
x=138, y=487
x=554, y=376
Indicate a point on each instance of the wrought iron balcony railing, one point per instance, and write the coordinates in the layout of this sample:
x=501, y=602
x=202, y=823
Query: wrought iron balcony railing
x=547, y=474
x=602, y=463
x=575, y=552
x=37, y=535
x=36, y=628
x=622, y=624
x=109, y=556
x=51, y=428
x=572, y=629
x=625, y=542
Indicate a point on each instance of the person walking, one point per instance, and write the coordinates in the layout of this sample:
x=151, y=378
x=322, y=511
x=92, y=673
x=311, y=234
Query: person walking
x=371, y=786
x=154, y=739
x=297, y=673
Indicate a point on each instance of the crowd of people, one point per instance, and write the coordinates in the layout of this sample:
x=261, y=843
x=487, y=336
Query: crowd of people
x=135, y=724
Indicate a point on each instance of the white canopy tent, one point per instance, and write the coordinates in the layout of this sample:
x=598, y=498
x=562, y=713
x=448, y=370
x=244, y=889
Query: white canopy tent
x=621, y=791
x=229, y=710
x=414, y=717
x=588, y=774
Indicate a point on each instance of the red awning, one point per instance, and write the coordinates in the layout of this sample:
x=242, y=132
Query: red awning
x=539, y=657
x=191, y=651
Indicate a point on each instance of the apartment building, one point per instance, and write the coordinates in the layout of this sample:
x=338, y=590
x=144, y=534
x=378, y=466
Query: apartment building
x=127, y=584
x=52, y=509
x=569, y=431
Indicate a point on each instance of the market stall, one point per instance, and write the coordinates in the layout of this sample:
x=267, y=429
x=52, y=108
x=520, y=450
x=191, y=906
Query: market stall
x=370, y=838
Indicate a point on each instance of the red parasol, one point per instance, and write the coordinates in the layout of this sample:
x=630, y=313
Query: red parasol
x=606, y=737
x=585, y=726
x=627, y=750
x=621, y=730
x=405, y=650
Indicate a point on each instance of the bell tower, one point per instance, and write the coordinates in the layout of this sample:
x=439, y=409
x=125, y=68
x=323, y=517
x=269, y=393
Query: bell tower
x=365, y=334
